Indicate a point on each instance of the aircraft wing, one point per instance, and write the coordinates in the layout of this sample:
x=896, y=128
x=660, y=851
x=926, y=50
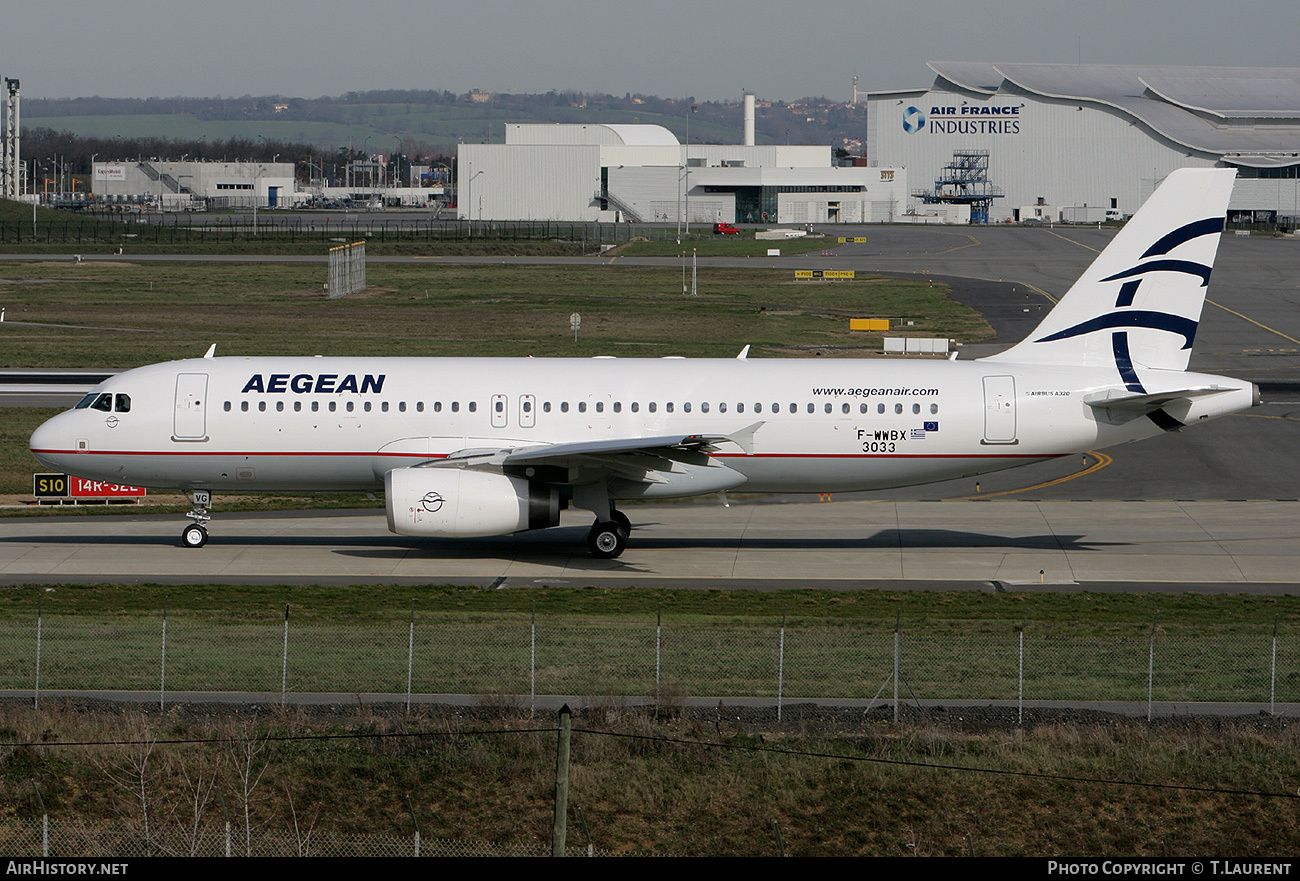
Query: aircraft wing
x=654, y=459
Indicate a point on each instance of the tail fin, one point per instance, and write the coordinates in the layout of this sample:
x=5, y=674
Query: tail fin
x=1139, y=303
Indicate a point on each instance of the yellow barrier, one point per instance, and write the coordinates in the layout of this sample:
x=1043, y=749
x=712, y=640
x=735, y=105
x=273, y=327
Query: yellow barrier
x=868, y=324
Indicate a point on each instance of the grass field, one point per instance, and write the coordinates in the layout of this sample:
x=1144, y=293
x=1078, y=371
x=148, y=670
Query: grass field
x=958, y=644
x=123, y=315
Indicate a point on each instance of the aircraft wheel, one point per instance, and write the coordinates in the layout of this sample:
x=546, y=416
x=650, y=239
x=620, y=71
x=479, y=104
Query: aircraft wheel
x=194, y=536
x=606, y=540
x=620, y=519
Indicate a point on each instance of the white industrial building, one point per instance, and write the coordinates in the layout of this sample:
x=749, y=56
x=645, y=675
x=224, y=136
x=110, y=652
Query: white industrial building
x=1063, y=136
x=178, y=184
x=642, y=173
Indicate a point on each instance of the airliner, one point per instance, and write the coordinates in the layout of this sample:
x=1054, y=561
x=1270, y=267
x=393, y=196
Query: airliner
x=466, y=447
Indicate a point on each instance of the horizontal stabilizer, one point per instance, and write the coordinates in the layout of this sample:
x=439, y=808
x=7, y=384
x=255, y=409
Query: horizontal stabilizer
x=1122, y=399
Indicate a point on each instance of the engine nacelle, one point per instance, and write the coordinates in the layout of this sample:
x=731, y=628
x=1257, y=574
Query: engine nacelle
x=457, y=503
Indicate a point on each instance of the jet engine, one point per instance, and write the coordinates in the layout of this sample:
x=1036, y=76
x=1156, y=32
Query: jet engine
x=459, y=503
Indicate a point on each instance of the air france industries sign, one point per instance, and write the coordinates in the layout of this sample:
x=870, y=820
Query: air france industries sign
x=968, y=119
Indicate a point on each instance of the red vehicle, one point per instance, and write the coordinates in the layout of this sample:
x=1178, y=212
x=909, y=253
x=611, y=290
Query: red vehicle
x=725, y=229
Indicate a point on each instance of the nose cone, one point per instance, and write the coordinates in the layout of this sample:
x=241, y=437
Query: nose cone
x=49, y=443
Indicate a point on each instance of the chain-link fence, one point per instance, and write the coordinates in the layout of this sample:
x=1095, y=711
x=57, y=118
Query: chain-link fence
x=52, y=838
x=240, y=228
x=527, y=656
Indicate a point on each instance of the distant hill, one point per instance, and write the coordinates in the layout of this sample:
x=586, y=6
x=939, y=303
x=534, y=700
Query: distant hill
x=427, y=122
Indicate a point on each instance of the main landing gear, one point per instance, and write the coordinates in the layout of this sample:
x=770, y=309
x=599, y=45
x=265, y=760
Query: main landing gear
x=608, y=539
x=196, y=534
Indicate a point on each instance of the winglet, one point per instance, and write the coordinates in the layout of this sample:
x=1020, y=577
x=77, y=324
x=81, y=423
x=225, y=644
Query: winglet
x=212, y=351
x=745, y=437
x=744, y=354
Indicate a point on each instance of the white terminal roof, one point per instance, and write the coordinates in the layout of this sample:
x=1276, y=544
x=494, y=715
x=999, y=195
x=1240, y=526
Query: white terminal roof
x=590, y=134
x=1248, y=115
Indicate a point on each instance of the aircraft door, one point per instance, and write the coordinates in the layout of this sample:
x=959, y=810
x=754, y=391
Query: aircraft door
x=527, y=411
x=189, y=421
x=1000, y=410
x=500, y=413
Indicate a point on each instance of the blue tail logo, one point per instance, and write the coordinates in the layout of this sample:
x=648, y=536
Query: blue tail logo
x=1132, y=279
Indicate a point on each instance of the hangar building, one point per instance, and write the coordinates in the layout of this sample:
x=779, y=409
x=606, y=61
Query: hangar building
x=642, y=173
x=1065, y=136
x=176, y=184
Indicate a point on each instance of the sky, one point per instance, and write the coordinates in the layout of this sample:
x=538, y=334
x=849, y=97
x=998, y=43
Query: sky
x=706, y=49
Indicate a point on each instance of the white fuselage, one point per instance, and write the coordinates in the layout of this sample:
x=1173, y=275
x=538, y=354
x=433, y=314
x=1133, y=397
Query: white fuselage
x=245, y=424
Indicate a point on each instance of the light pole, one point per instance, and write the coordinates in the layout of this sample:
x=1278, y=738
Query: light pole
x=694, y=107
x=469, y=187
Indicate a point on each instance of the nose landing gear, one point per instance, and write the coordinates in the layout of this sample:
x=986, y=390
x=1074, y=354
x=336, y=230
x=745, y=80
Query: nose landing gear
x=196, y=534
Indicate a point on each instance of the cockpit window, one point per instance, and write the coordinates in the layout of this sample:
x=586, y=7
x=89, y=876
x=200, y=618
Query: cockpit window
x=86, y=401
x=122, y=404
x=103, y=402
